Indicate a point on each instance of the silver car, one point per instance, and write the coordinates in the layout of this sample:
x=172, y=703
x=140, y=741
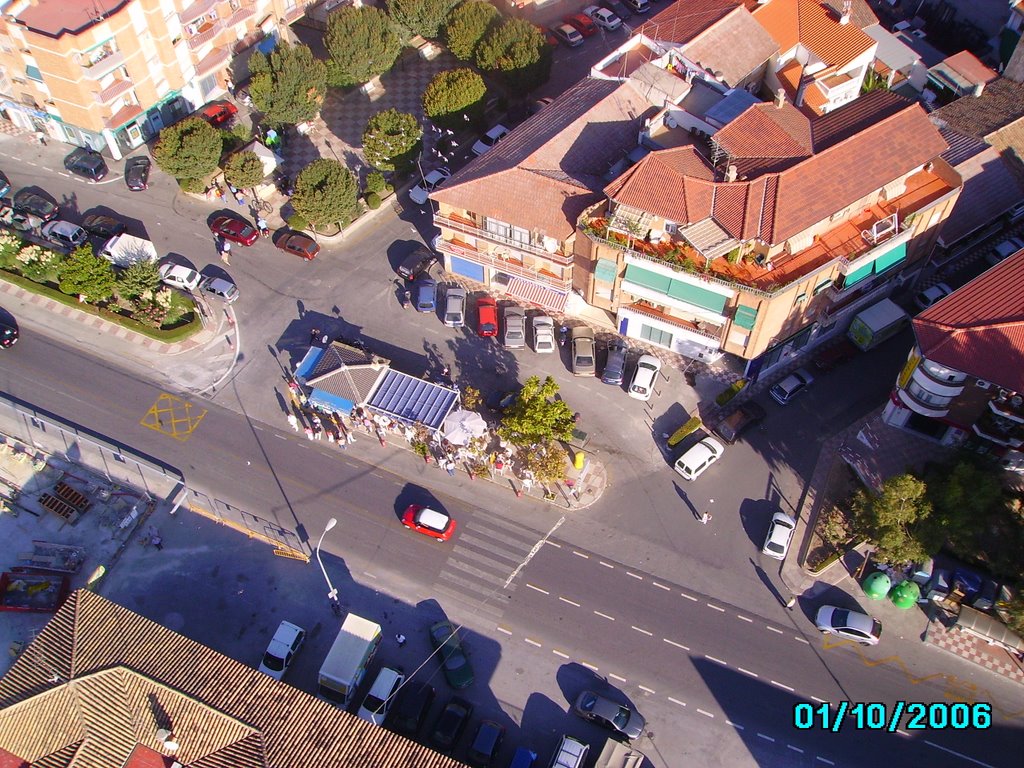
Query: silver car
x=543, y=334
x=582, y=341
x=455, y=307
x=622, y=718
x=852, y=625
x=220, y=289
x=515, y=327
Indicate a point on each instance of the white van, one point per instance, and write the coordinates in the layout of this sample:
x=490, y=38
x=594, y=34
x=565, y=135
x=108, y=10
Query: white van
x=571, y=753
x=378, y=701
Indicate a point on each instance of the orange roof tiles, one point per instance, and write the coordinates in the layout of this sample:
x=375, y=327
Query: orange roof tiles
x=816, y=27
x=971, y=68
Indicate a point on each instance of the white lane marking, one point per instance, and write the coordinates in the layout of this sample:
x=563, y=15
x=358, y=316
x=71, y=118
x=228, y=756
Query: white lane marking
x=741, y=617
x=801, y=640
x=795, y=749
x=747, y=672
x=537, y=589
x=901, y=732
x=826, y=762
x=677, y=645
x=581, y=554
x=570, y=602
x=706, y=714
x=780, y=685
x=958, y=754
x=606, y=565
x=766, y=737
x=588, y=665
x=617, y=677
x=281, y=437
x=645, y=689
x=737, y=726
x=716, y=607
x=677, y=701
x=533, y=642
x=643, y=631
x=773, y=629
x=559, y=653
x=820, y=701
x=605, y=616
x=683, y=594
x=661, y=586
x=635, y=575
x=712, y=658
x=369, y=575
x=503, y=630
x=552, y=544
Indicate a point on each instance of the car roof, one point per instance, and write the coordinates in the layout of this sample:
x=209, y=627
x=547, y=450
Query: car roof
x=220, y=284
x=432, y=518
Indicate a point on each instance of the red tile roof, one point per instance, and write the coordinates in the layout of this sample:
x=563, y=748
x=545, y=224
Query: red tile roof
x=970, y=67
x=817, y=27
x=851, y=153
x=979, y=329
x=55, y=18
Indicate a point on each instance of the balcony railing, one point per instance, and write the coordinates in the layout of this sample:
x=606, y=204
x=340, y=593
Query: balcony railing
x=503, y=265
x=201, y=39
x=113, y=90
x=459, y=225
x=104, y=65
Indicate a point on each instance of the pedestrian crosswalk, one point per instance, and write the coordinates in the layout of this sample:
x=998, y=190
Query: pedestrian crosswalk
x=486, y=553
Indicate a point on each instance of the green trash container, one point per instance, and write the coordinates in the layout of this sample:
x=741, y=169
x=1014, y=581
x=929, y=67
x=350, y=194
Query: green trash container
x=876, y=586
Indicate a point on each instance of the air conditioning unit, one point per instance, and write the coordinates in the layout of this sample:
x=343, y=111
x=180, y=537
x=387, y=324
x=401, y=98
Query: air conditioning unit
x=982, y=384
x=671, y=228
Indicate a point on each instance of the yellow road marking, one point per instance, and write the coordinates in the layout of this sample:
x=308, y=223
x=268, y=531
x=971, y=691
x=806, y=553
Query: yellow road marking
x=174, y=417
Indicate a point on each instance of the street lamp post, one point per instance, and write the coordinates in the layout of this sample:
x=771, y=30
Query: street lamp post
x=332, y=594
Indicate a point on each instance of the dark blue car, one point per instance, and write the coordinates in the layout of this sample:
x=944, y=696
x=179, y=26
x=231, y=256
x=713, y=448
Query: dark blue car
x=425, y=293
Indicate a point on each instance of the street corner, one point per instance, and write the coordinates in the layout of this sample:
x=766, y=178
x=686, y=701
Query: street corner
x=173, y=416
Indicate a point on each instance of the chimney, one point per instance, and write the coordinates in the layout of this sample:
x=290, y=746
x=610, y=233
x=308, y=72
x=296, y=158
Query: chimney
x=780, y=98
x=805, y=80
x=844, y=17
x=730, y=174
x=979, y=88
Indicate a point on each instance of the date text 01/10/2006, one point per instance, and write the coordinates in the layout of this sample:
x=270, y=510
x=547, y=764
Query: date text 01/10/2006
x=876, y=716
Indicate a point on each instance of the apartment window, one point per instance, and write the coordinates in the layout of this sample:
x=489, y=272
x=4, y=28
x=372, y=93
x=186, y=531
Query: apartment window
x=656, y=335
x=922, y=395
x=521, y=235
x=499, y=228
x=823, y=285
x=33, y=73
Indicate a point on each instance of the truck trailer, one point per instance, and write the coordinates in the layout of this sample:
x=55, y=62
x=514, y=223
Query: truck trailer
x=873, y=325
x=346, y=662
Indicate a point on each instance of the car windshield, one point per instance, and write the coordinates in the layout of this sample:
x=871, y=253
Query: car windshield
x=488, y=327
x=272, y=662
x=774, y=546
x=373, y=704
x=621, y=718
x=584, y=360
x=840, y=618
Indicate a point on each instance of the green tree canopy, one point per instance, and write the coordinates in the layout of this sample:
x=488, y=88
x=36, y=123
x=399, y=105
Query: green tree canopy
x=391, y=140
x=420, y=17
x=189, y=149
x=140, y=279
x=535, y=416
x=288, y=88
x=86, y=275
x=326, y=193
x=519, y=52
x=547, y=464
x=452, y=94
x=894, y=518
x=362, y=43
x=467, y=25
x=964, y=497
x=243, y=169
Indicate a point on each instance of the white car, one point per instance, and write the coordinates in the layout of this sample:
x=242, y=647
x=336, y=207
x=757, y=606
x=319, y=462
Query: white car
x=282, y=649
x=381, y=696
x=932, y=295
x=604, y=18
x=644, y=377
x=428, y=184
x=543, y=334
x=455, y=307
x=695, y=461
x=178, y=276
x=489, y=139
x=852, y=625
x=780, y=532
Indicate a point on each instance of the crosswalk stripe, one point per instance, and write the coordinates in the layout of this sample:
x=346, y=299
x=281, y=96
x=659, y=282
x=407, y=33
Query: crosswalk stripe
x=445, y=594
x=483, y=590
x=529, y=535
x=464, y=553
x=488, y=576
x=517, y=544
x=482, y=548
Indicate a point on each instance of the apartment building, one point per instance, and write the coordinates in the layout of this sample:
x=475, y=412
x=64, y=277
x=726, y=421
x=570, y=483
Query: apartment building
x=110, y=74
x=963, y=383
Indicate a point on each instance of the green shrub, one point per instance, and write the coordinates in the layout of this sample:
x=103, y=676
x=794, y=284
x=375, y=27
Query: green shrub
x=731, y=392
x=375, y=182
x=193, y=186
x=373, y=201
x=297, y=222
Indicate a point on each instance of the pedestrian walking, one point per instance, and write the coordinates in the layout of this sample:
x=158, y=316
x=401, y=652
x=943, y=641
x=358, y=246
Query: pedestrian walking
x=705, y=517
x=293, y=421
x=41, y=138
x=309, y=433
x=336, y=607
x=314, y=336
x=449, y=467
x=263, y=227
x=400, y=639
x=318, y=432
x=225, y=253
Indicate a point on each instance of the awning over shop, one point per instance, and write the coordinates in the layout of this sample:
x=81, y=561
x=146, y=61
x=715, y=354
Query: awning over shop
x=535, y=293
x=412, y=400
x=308, y=363
x=328, y=402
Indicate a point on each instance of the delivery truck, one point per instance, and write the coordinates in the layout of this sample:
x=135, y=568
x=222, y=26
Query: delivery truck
x=125, y=250
x=875, y=324
x=346, y=662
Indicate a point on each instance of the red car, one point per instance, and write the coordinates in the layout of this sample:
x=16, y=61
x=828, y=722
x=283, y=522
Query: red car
x=299, y=245
x=581, y=23
x=487, y=316
x=235, y=230
x=217, y=113
x=430, y=522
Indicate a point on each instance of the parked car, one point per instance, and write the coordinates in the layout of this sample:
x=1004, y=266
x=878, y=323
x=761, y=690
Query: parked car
x=218, y=113
x=489, y=139
x=567, y=34
x=524, y=757
x=1004, y=250
x=411, y=708
x=428, y=184
x=101, y=226
x=644, y=377
x=581, y=344
x=285, y=643
x=486, y=316
x=583, y=24
x=697, y=459
x=5, y=184
x=543, y=334
x=515, y=327
x=615, y=366
x=420, y=260
x=87, y=163
x=834, y=355
x=739, y=421
x=637, y=6
x=933, y=295
x=780, y=532
x=136, y=173
x=454, y=662
x=852, y=625
x=298, y=244
x=455, y=307
x=538, y=105
x=8, y=334
x=791, y=386
x=235, y=230
x=425, y=294
x=485, y=745
x=64, y=234
x=219, y=288
x=431, y=522
x=450, y=724
x=180, y=276
x=617, y=7
x=27, y=201
x=375, y=706
x=603, y=18
x=621, y=718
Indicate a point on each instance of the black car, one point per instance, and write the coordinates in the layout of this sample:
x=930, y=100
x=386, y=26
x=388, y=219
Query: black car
x=27, y=201
x=450, y=724
x=87, y=163
x=617, y=7
x=136, y=173
x=420, y=260
x=8, y=335
x=485, y=744
x=102, y=227
x=414, y=700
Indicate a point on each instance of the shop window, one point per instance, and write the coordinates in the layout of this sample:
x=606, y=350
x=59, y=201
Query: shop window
x=655, y=335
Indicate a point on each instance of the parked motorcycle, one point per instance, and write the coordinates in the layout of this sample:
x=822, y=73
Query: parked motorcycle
x=563, y=335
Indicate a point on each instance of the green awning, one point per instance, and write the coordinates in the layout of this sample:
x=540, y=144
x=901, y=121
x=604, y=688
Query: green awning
x=745, y=317
x=891, y=259
x=701, y=297
x=858, y=274
x=647, y=279
x=606, y=270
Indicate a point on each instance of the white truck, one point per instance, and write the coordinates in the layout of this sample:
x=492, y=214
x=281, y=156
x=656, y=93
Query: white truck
x=617, y=755
x=125, y=250
x=346, y=662
x=872, y=326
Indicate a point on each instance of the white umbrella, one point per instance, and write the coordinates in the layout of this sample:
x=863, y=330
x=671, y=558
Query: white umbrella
x=462, y=426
